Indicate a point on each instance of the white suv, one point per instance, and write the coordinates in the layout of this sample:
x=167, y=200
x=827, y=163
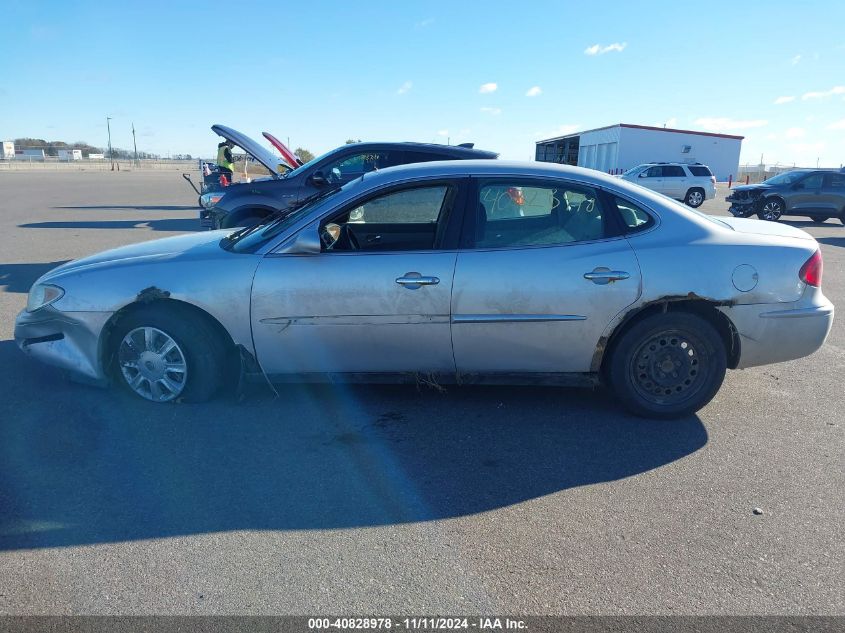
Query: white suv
x=692, y=183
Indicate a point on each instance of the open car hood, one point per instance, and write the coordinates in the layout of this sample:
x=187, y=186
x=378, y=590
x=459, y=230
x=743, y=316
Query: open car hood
x=289, y=156
x=262, y=155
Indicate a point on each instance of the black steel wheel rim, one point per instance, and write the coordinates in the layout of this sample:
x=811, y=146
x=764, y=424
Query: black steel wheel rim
x=669, y=368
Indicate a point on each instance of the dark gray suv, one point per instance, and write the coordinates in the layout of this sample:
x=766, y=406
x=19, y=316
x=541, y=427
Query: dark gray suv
x=818, y=194
x=245, y=204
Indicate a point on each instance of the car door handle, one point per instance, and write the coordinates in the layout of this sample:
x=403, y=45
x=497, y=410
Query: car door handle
x=412, y=281
x=603, y=276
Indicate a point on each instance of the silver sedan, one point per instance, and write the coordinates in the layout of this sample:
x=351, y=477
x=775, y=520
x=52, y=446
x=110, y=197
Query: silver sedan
x=452, y=272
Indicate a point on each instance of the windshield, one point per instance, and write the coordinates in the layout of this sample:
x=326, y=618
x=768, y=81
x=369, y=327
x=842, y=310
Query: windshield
x=249, y=240
x=786, y=179
x=633, y=170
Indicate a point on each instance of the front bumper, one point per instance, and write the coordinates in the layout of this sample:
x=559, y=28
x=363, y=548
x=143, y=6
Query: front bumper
x=67, y=340
x=774, y=333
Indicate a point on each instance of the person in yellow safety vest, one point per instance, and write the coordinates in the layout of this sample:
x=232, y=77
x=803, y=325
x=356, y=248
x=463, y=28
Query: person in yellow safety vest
x=225, y=160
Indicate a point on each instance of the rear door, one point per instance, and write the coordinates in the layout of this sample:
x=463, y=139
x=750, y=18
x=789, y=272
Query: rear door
x=833, y=194
x=674, y=181
x=538, y=277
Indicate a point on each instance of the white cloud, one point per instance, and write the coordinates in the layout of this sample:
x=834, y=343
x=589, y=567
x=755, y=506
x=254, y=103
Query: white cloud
x=724, y=124
x=836, y=90
x=488, y=88
x=442, y=132
x=493, y=111
x=534, y=91
x=405, y=88
x=837, y=125
x=598, y=49
x=795, y=60
x=795, y=132
x=781, y=100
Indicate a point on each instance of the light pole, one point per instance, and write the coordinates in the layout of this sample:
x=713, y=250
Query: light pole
x=111, y=155
x=134, y=144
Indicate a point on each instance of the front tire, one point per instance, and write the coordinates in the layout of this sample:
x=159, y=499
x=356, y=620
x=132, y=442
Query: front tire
x=771, y=210
x=668, y=365
x=165, y=354
x=694, y=198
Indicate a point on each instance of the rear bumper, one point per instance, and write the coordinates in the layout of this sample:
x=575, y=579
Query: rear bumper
x=67, y=340
x=771, y=333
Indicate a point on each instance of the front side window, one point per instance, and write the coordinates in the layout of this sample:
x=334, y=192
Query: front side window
x=351, y=167
x=813, y=182
x=655, y=171
x=517, y=214
x=402, y=220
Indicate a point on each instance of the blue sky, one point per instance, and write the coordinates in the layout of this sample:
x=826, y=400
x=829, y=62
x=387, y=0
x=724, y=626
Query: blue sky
x=501, y=74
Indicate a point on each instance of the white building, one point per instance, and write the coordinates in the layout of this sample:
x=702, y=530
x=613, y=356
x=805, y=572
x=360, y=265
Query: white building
x=7, y=150
x=620, y=147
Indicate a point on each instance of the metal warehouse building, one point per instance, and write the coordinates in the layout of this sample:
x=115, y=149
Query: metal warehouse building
x=617, y=148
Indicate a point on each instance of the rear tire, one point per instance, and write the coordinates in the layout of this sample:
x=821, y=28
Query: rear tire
x=191, y=370
x=694, y=198
x=668, y=365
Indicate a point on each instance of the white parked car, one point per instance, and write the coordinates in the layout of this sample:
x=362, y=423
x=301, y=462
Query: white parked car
x=692, y=183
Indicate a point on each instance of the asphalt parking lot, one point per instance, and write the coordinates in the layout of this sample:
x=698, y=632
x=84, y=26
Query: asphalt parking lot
x=387, y=500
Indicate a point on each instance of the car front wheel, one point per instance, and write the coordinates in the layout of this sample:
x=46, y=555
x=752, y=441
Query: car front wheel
x=167, y=354
x=668, y=365
x=771, y=210
x=695, y=198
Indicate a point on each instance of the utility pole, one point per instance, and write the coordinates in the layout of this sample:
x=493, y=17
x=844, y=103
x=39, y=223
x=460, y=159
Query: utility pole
x=111, y=154
x=134, y=144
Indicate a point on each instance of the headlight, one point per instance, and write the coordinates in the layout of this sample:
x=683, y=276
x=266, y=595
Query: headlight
x=208, y=200
x=42, y=295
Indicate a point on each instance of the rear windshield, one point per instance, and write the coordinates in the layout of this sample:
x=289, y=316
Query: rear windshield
x=699, y=170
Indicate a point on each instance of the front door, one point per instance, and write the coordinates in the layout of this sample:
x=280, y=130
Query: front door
x=538, y=278
x=653, y=179
x=376, y=299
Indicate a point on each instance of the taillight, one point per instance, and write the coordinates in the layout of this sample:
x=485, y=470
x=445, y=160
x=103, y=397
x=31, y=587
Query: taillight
x=811, y=271
x=713, y=179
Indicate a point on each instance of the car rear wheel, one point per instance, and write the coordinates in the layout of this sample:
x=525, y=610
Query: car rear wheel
x=695, y=198
x=167, y=354
x=771, y=210
x=668, y=365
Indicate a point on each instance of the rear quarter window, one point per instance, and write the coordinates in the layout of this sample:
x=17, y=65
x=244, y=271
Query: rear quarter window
x=699, y=170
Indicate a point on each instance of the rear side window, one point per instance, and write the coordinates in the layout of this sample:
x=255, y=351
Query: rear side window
x=518, y=214
x=699, y=170
x=836, y=181
x=673, y=171
x=634, y=219
x=424, y=157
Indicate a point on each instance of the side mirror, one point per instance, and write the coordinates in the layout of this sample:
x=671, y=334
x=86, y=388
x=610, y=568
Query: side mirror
x=643, y=174
x=318, y=179
x=306, y=242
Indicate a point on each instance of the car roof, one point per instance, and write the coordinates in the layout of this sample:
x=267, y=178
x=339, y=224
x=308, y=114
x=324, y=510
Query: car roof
x=451, y=168
x=454, y=150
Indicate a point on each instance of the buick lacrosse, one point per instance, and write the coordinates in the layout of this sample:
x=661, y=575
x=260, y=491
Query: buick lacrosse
x=453, y=272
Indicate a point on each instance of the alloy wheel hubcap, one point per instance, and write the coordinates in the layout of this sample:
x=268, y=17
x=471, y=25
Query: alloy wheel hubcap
x=695, y=198
x=667, y=368
x=771, y=210
x=153, y=364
